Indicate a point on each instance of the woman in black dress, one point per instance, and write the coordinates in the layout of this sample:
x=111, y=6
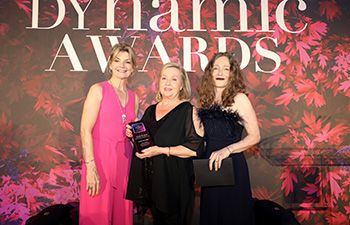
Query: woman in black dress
x=225, y=112
x=161, y=177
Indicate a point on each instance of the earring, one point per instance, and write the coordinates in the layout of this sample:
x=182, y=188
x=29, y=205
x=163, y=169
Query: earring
x=158, y=96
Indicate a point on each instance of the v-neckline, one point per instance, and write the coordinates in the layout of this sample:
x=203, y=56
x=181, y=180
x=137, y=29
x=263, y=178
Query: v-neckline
x=117, y=96
x=165, y=115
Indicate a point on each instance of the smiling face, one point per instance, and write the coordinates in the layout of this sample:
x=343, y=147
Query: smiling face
x=170, y=83
x=221, y=71
x=121, y=65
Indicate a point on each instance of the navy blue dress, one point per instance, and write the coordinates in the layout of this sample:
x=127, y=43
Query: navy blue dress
x=225, y=205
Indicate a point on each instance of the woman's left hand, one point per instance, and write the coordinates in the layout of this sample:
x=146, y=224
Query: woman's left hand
x=150, y=152
x=217, y=157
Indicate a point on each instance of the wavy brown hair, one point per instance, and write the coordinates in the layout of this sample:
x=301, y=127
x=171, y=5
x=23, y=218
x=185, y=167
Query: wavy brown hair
x=235, y=83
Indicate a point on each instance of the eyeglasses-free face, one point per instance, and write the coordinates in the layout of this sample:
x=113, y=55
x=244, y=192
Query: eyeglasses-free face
x=221, y=71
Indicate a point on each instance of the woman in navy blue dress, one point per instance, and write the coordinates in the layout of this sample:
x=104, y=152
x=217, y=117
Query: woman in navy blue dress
x=225, y=112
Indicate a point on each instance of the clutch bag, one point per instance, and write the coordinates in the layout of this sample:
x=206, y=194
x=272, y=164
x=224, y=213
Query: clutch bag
x=206, y=178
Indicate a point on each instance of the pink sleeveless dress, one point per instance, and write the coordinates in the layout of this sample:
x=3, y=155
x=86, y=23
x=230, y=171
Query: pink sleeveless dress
x=112, y=153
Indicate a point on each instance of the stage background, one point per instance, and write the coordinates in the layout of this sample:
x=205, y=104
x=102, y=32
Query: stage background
x=300, y=93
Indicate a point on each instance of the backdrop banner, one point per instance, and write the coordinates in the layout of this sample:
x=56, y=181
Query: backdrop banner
x=294, y=54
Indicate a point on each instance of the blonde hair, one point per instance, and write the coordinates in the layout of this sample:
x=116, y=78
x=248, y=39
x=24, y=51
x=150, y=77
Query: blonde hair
x=121, y=47
x=185, y=92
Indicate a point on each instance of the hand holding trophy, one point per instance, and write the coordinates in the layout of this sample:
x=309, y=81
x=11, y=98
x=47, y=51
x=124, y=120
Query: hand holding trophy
x=140, y=136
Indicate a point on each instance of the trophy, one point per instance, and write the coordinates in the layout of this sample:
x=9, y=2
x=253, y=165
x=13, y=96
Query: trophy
x=141, y=137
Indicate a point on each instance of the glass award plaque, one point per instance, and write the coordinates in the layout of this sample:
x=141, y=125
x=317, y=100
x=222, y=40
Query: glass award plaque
x=141, y=137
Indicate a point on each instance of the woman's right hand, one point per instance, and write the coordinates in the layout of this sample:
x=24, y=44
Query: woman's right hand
x=128, y=131
x=92, y=179
x=216, y=157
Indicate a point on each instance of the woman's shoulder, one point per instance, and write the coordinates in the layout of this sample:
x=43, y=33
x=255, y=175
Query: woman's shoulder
x=150, y=108
x=186, y=107
x=240, y=96
x=241, y=100
x=95, y=92
x=216, y=111
x=183, y=108
x=186, y=104
x=96, y=88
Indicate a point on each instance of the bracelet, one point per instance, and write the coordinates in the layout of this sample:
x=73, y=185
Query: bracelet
x=87, y=162
x=168, y=152
x=229, y=150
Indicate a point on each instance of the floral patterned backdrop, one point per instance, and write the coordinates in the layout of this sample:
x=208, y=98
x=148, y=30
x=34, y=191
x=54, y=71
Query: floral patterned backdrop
x=303, y=105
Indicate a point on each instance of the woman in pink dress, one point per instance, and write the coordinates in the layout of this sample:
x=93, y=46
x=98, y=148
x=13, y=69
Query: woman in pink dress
x=107, y=152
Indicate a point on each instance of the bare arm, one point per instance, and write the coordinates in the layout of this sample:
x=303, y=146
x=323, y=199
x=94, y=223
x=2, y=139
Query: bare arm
x=250, y=123
x=179, y=151
x=89, y=116
x=88, y=119
x=245, y=110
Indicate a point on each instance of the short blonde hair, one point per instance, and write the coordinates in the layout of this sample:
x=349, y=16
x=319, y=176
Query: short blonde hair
x=121, y=47
x=185, y=92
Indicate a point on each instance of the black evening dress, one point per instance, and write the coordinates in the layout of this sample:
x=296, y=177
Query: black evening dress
x=167, y=183
x=225, y=205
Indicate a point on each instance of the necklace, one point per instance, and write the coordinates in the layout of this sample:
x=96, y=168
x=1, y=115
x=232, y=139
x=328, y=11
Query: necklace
x=122, y=109
x=124, y=118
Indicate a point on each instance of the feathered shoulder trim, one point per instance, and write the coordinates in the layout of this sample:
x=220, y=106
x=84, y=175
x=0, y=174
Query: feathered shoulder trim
x=218, y=111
